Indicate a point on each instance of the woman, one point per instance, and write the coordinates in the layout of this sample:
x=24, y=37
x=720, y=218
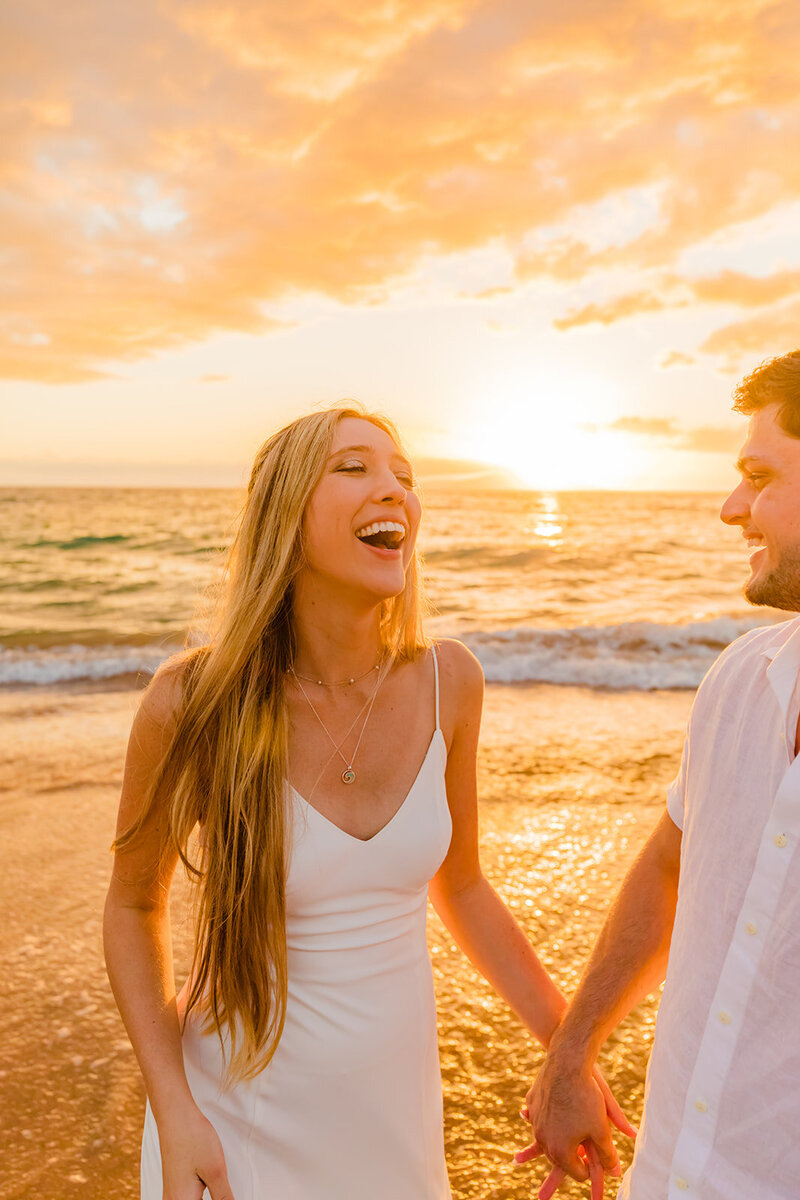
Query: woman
x=327, y=751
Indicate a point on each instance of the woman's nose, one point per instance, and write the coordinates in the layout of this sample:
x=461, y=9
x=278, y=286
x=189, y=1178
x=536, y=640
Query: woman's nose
x=391, y=489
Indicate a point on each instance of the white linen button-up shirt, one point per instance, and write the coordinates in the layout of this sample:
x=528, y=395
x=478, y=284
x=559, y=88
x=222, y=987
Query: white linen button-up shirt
x=722, y=1102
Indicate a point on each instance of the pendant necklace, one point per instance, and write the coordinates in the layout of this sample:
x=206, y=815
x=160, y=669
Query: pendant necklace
x=348, y=774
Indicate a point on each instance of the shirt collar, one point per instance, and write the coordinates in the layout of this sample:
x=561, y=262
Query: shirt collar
x=784, y=654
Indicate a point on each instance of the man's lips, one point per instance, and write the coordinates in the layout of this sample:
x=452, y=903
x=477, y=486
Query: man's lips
x=755, y=542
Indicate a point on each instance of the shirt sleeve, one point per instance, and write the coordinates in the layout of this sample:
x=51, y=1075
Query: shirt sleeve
x=676, y=792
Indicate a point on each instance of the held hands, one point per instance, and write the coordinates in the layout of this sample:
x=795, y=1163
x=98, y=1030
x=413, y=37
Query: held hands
x=192, y=1159
x=569, y=1110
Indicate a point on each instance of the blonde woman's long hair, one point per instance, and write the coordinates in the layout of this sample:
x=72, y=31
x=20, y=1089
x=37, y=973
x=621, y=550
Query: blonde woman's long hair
x=226, y=763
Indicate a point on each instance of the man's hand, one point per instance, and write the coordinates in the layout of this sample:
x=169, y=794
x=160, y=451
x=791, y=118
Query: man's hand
x=567, y=1107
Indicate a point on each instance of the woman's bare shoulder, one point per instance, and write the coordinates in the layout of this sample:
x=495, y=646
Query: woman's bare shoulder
x=462, y=679
x=459, y=663
x=163, y=695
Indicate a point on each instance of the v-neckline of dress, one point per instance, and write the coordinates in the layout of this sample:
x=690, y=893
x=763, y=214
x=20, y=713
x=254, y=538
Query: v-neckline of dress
x=365, y=841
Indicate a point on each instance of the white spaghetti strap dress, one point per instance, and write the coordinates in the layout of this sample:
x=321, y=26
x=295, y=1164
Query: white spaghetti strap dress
x=350, y=1107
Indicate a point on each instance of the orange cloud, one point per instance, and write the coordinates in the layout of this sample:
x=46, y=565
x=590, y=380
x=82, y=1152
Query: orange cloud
x=181, y=166
x=606, y=314
x=676, y=358
x=705, y=439
x=564, y=259
x=748, y=291
x=645, y=426
x=490, y=293
x=712, y=439
x=670, y=292
x=773, y=332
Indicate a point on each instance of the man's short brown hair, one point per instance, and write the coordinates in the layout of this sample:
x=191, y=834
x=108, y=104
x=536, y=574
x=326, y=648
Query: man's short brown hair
x=775, y=381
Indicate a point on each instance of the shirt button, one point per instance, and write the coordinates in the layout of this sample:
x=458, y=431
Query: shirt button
x=681, y=1184
x=725, y=1017
x=780, y=840
x=701, y=1106
x=751, y=928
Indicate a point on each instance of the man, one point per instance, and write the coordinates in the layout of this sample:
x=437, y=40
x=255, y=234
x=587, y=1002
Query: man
x=722, y=1102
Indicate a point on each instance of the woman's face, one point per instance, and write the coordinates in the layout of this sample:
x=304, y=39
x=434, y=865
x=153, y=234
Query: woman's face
x=366, y=484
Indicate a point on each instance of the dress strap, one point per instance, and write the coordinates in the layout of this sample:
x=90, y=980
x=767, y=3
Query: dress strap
x=435, y=682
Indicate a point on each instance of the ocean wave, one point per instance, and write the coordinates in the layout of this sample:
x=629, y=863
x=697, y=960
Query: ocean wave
x=62, y=664
x=640, y=655
x=79, y=543
x=488, y=557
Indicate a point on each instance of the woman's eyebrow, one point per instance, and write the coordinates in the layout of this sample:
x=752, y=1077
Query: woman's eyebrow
x=347, y=449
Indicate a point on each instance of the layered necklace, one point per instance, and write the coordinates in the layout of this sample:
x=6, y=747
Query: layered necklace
x=348, y=774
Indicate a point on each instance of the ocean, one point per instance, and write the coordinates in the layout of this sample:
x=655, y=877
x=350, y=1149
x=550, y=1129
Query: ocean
x=613, y=590
x=594, y=616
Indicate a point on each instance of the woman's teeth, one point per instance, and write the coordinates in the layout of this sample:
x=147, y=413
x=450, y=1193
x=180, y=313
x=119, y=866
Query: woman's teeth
x=381, y=527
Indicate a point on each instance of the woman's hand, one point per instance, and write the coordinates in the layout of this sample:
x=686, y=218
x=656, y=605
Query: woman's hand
x=615, y=1114
x=192, y=1158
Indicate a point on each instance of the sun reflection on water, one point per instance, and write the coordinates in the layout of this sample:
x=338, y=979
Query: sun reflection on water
x=547, y=521
x=557, y=858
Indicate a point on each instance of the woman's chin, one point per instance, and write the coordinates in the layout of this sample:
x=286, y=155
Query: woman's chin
x=383, y=584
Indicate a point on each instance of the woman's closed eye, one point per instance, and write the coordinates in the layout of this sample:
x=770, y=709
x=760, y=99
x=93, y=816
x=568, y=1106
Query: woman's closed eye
x=354, y=467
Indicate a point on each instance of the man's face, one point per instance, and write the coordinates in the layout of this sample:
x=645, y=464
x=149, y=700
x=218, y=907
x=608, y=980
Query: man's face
x=766, y=504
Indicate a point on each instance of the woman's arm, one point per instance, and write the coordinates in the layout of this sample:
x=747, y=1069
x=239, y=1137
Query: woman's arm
x=138, y=949
x=467, y=903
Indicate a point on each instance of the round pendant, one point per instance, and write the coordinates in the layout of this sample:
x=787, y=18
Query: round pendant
x=348, y=776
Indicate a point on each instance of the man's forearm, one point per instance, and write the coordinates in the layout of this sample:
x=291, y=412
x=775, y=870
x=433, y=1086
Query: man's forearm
x=566, y=1103
x=630, y=957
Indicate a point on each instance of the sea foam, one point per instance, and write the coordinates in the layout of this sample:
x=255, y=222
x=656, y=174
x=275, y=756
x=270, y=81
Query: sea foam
x=640, y=655
x=62, y=664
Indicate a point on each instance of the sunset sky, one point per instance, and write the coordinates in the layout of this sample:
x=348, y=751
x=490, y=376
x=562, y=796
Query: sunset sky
x=548, y=237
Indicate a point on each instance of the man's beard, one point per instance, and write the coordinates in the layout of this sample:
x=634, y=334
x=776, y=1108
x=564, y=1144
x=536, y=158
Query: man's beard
x=780, y=588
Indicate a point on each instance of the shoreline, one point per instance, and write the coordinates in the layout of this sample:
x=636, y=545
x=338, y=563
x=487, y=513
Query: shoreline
x=132, y=681
x=137, y=681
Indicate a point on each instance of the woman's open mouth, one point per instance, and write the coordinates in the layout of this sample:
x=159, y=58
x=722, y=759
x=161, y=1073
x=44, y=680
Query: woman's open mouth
x=382, y=535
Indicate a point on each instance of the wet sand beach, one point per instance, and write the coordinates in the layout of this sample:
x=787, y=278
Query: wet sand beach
x=571, y=780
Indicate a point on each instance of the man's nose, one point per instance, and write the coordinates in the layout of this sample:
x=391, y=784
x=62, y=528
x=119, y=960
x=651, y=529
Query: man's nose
x=736, y=508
